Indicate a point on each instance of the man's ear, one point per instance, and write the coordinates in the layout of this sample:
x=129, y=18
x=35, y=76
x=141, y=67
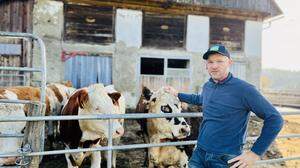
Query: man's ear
x=230, y=61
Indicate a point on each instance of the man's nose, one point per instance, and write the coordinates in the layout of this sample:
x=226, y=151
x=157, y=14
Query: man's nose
x=215, y=65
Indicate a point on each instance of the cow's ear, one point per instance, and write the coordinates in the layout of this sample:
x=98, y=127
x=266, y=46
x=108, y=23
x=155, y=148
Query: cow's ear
x=82, y=98
x=114, y=96
x=154, y=100
x=147, y=93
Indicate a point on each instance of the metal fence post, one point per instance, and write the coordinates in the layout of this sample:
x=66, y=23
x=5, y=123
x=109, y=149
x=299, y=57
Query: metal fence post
x=34, y=133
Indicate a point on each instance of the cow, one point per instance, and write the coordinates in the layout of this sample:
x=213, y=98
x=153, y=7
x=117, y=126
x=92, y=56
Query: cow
x=56, y=96
x=158, y=130
x=6, y=110
x=77, y=134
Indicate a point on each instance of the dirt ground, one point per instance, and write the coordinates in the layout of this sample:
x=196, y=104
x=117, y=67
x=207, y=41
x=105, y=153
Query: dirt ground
x=290, y=146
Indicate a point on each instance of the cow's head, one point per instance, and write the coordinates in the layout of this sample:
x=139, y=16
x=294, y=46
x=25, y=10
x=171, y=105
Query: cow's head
x=162, y=102
x=95, y=100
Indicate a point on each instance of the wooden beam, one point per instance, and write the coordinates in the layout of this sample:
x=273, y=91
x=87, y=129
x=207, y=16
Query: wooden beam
x=176, y=9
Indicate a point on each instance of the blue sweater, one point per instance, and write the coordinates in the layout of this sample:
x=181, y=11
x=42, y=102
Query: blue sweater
x=226, y=109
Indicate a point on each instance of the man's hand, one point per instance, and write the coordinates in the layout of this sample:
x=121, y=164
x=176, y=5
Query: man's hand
x=245, y=160
x=171, y=90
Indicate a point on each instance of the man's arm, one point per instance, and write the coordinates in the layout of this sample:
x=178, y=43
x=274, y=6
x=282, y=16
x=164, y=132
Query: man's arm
x=188, y=98
x=191, y=98
x=273, y=121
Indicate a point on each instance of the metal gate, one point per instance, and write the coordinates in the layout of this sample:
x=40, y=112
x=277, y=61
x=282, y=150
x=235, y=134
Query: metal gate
x=33, y=137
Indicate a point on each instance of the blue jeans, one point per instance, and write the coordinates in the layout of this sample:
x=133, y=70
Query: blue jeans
x=202, y=159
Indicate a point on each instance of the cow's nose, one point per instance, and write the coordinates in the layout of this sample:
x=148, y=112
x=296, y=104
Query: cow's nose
x=120, y=131
x=185, y=132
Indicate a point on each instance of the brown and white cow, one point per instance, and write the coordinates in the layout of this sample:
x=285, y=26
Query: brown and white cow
x=159, y=130
x=56, y=96
x=89, y=133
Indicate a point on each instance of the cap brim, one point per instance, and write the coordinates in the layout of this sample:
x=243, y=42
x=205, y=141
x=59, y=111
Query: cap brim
x=208, y=53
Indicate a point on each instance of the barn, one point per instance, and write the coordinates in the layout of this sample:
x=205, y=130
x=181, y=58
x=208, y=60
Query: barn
x=131, y=43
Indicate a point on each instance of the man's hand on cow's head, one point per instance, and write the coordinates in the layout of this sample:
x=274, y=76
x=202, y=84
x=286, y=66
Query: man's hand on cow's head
x=171, y=90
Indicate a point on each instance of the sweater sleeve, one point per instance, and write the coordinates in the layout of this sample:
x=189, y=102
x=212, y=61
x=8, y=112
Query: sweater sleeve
x=195, y=99
x=273, y=121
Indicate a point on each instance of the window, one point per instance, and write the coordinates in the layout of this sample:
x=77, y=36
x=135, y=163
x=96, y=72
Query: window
x=178, y=63
x=89, y=24
x=163, y=31
x=152, y=66
x=229, y=32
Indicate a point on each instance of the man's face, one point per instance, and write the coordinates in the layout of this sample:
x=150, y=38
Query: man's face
x=218, y=66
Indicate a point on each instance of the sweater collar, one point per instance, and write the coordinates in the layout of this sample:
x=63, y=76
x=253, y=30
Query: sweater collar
x=229, y=76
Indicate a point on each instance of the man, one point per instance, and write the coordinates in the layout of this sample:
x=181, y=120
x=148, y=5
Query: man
x=227, y=102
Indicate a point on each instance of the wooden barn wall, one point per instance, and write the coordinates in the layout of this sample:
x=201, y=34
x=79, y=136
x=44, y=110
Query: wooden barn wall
x=268, y=6
x=163, y=30
x=16, y=16
x=229, y=32
x=168, y=7
x=89, y=24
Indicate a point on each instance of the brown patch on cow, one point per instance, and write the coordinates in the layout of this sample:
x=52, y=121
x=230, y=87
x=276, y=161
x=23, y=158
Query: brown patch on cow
x=115, y=97
x=2, y=91
x=83, y=97
x=26, y=93
x=57, y=93
x=48, y=109
x=70, y=130
x=143, y=107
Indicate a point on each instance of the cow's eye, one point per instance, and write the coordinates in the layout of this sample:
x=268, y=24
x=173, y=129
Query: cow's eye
x=166, y=109
x=97, y=108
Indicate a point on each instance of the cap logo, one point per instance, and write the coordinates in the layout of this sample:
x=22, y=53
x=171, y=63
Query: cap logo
x=214, y=48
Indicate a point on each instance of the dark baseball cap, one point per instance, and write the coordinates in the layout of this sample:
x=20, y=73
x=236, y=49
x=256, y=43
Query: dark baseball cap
x=220, y=49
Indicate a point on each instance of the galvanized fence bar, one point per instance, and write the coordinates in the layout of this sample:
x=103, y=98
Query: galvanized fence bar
x=110, y=116
x=126, y=147
x=11, y=135
x=23, y=69
x=277, y=160
x=109, y=144
x=97, y=117
x=18, y=101
x=106, y=148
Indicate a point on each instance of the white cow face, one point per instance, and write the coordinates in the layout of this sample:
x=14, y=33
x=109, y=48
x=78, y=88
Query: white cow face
x=95, y=100
x=162, y=102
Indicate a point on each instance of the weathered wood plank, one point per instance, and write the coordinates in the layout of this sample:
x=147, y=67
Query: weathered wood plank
x=178, y=9
x=89, y=24
x=163, y=31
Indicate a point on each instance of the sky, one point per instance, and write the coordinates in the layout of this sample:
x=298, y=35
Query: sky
x=281, y=39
